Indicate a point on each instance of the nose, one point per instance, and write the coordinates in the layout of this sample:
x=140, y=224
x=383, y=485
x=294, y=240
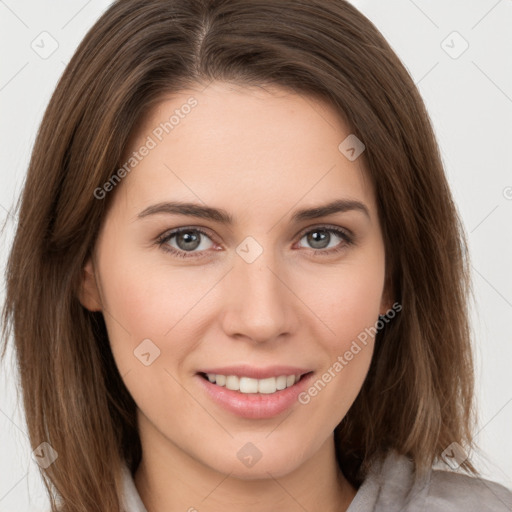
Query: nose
x=259, y=304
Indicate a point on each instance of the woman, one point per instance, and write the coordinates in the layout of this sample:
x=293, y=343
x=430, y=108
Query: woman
x=239, y=279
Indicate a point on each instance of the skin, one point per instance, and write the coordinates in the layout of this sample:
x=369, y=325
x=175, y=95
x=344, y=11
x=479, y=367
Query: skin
x=260, y=154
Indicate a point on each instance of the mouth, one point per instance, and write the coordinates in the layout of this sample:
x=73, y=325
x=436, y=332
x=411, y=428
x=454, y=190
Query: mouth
x=252, y=386
x=251, y=398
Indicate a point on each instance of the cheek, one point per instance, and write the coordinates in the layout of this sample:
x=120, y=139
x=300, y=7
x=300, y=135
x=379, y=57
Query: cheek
x=349, y=300
x=144, y=297
x=349, y=306
x=136, y=302
x=151, y=301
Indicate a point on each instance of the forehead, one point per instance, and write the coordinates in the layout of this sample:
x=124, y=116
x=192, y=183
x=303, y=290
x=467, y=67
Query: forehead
x=248, y=143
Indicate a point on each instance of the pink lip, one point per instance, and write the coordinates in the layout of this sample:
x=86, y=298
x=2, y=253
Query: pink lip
x=256, y=373
x=254, y=405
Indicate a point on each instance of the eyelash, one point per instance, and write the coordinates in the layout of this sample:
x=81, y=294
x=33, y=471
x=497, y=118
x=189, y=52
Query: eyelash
x=344, y=235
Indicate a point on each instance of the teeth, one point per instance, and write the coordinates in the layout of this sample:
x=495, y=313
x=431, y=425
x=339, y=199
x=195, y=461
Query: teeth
x=248, y=385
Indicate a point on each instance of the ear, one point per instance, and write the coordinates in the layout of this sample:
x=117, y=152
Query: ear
x=385, y=306
x=89, y=295
x=386, y=302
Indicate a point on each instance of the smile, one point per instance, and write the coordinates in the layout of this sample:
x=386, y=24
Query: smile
x=249, y=385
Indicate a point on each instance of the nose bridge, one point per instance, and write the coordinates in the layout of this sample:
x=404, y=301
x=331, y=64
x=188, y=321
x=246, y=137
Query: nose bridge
x=259, y=304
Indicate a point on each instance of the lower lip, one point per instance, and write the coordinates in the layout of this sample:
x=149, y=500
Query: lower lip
x=255, y=405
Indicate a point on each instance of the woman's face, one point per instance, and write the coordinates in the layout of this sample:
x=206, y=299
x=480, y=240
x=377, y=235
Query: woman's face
x=271, y=287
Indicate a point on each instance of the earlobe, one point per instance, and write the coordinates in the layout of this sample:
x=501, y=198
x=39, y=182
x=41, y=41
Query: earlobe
x=89, y=294
x=387, y=300
x=385, y=307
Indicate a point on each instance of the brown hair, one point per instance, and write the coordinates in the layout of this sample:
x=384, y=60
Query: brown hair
x=418, y=394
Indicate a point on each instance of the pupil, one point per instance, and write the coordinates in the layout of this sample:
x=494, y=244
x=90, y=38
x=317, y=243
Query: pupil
x=318, y=242
x=187, y=240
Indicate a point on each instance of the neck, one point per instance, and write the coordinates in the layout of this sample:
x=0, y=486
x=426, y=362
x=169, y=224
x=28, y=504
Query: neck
x=169, y=479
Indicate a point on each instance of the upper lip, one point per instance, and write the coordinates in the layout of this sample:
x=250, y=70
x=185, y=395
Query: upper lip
x=253, y=372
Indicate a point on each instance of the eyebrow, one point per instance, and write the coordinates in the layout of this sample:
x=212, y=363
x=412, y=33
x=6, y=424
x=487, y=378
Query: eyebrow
x=223, y=217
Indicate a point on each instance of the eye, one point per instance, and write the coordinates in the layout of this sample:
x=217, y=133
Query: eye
x=321, y=239
x=187, y=240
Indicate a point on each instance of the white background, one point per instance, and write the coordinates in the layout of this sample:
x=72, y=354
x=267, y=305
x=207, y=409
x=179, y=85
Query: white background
x=469, y=99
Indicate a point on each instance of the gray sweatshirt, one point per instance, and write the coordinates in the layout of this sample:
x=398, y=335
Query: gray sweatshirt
x=389, y=487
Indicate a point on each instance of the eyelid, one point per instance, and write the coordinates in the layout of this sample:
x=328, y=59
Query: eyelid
x=170, y=233
x=348, y=233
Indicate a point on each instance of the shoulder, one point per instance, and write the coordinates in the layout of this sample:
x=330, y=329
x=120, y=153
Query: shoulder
x=448, y=490
x=391, y=485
